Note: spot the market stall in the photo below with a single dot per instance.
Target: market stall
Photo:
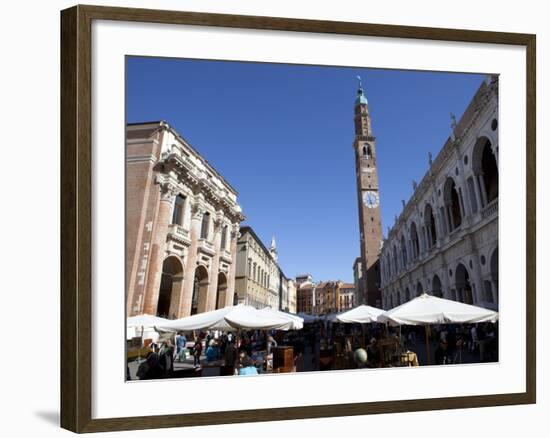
(428, 309)
(239, 318)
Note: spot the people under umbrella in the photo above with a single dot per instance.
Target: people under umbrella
(318, 346)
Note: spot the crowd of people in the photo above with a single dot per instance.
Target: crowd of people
(251, 352)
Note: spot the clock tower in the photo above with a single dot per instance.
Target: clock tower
(368, 197)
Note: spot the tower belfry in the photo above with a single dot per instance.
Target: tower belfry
(368, 197)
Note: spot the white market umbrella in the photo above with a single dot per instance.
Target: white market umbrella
(232, 317)
(213, 320)
(297, 321)
(145, 320)
(142, 323)
(427, 309)
(362, 314)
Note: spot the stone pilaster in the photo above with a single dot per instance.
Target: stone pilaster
(158, 246)
(197, 210)
(215, 266)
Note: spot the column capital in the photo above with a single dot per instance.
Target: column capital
(168, 191)
(197, 210)
(235, 231)
(218, 222)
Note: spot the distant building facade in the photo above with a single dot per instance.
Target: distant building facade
(292, 297)
(260, 282)
(324, 297)
(445, 241)
(304, 294)
(327, 296)
(346, 299)
(182, 222)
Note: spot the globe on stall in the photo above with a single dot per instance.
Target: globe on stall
(360, 356)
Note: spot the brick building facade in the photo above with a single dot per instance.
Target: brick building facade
(182, 223)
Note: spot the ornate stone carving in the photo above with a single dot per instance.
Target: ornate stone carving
(197, 210)
(168, 191)
(235, 231)
(218, 221)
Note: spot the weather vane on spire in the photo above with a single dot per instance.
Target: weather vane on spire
(359, 79)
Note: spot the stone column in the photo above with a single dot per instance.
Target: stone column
(158, 247)
(475, 279)
(482, 189)
(197, 210)
(233, 267)
(477, 191)
(449, 219)
(464, 207)
(215, 266)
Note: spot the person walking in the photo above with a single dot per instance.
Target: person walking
(181, 341)
(167, 357)
(230, 358)
(197, 352)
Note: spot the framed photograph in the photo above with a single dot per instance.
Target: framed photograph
(269, 218)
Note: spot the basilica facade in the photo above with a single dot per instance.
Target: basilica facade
(182, 225)
(445, 241)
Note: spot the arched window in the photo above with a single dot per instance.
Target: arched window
(419, 289)
(452, 204)
(403, 251)
(429, 221)
(395, 266)
(205, 226)
(463, 286)
(485, 167)
(170, 285)
(490, 172)
(415, 247)
(200, 290)
(436, 287)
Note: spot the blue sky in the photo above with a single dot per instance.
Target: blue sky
(282, 136)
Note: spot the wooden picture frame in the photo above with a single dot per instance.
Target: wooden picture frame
(76, 217)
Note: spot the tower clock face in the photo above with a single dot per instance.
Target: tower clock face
(370, 199)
